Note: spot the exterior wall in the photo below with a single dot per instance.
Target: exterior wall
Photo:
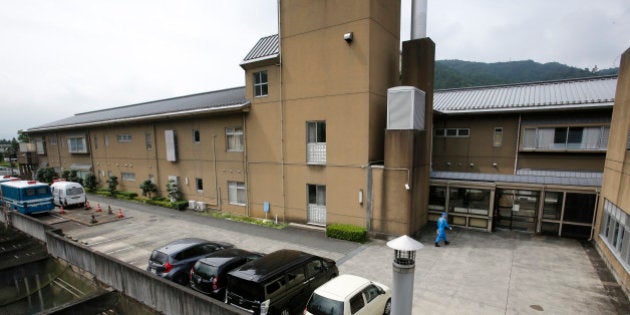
(457, 154)
(616, 181)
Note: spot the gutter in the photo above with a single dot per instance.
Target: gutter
(526, 109)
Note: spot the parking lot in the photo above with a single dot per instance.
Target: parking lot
(479, 273)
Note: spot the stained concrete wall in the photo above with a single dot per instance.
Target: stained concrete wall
(153, 291)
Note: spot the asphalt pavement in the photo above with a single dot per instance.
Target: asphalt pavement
(478, 273)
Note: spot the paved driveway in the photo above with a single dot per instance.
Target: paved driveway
(479, 273)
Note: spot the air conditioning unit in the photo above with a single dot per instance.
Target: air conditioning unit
(191, 204)
(405, 108)
(201, 206)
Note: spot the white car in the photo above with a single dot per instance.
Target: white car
(348, 294)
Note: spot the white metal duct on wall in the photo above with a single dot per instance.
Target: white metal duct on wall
(171, 145)
(405, 108)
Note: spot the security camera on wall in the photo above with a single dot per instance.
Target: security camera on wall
(348, 37)
(407, 187)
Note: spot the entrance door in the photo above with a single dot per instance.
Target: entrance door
(316, 208)
(516, 209)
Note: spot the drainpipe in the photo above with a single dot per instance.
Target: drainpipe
(518, 140)
(214, 162)
(418, 19)
(245, 173)
(282, 146)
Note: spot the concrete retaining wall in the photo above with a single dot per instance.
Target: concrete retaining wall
(155, 292)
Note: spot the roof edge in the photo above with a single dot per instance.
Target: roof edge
(528, 83)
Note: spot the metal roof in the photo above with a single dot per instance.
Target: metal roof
(265, 48)
(519, 179)
(216, 101)
(549, 95)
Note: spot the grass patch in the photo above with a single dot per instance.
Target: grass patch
(244, 219)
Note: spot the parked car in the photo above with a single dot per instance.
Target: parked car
(348, 294)
(68, 194)
(278, 283)
(174, 260)
(208, 275)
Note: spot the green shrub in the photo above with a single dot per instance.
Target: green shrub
(128, 195)
(179, 204)
(347, 232)
(161, 203)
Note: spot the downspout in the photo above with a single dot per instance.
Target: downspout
(216, 179)
(282, 146)
(58, 152)
(246, 174)
(518, 143)
(155, 155)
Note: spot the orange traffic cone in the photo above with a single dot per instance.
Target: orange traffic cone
(98, 208)
(120, 214)
(61, 210)
(87, 205)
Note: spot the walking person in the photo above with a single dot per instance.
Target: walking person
(442, 225)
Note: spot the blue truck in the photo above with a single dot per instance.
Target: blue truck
(27, 196)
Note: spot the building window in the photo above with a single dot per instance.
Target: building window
(236, 193)
(316, 142)
(261, 84)
(316, 207)
(95, 143)
(106, 140)
(199, 183)
(123, 138)
(128, 177)
(452, 132)
(148, 142)
(53, 140)
(196, 136)
(615, 231)
(592, 138)
(77, 145)
(234, 139)
(497, 137)
(41, 146)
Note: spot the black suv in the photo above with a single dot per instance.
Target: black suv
(174, 260)
(208, 275)
(278, 283)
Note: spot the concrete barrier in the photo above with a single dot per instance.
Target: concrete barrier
(153, 291)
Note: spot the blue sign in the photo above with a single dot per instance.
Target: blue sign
(266, 206)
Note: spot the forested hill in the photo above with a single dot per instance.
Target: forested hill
(458, 73)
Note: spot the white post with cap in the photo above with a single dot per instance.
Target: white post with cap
(404, 266)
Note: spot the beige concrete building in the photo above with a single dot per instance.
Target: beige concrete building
(613, 224)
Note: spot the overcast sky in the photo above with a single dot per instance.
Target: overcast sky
(62, 57)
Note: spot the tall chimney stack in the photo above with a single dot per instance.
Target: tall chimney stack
(418, 19)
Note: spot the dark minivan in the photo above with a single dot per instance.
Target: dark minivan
(174, 260)
(278, 283)
(208, 275)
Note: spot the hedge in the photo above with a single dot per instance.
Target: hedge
(347, 232)
(180, 204)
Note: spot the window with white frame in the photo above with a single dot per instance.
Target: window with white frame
(123, 137)
(615, 230)
(128, 177)
(41, 146)
(317, 195)
(234, 139)
(76, 144)
(316, 142)
(148, 141)
(497, 137)
(452, 132)
(236, 193)
(261, 85)
(587, 138)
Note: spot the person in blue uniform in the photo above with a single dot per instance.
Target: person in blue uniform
(442, 225)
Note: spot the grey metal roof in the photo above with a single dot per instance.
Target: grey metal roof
(519, 179)
(265, 48)
(216, 101)
(573, 93)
